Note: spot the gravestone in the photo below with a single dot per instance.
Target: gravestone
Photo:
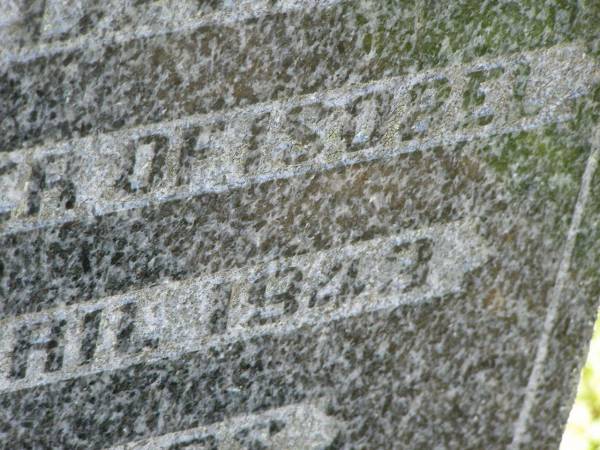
(232, 224)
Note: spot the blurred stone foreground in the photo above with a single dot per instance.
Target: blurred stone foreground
(286, 224)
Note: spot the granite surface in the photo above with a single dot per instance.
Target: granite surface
(291, 224)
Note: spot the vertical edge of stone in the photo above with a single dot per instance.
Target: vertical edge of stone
(568, 327)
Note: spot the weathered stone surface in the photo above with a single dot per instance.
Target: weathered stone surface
(296, 224)
(59, 93)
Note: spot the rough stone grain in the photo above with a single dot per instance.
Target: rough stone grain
(287, 224)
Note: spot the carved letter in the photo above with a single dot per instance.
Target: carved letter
(28, 340)
(474, 96)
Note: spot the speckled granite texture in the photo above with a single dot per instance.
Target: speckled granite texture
(286, 224)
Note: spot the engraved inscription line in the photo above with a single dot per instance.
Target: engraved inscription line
(274, 297)
(95, 176)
